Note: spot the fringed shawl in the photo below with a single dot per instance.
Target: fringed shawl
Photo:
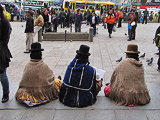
(79, 84)
(128, 84)
(38, 80)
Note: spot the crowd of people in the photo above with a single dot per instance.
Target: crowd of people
(82, 82)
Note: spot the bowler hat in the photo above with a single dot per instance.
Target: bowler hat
(132, 48)
(36, 47)
(84, 50)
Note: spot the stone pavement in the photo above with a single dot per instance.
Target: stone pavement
(104, 52)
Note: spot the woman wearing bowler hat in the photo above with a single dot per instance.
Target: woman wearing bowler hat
(79, 88)
(128, 85)
(38, 84)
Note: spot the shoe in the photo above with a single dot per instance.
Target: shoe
(59, 77)
(158, 69)
(5, 98)
(156, 53)
(109, 35)
(26, 52)
(129, 40)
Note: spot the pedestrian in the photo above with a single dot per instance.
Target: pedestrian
(157, 42)
(46, 19)
(68, 20)
(80, 86)
(133, 24)
(12, 14)
(110, 20)
(38, 84)
(78, 19)
(39, 21)
(29, 31)
(18, 14)
(62, 16)
(127, 82)
(94, 22)
(116, 16)
(145, 16)
(5, 55)
(55, 22)
(120, 18)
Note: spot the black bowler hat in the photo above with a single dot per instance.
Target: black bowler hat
(84, 50)
(36, 47)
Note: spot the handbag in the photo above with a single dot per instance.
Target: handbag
(114, 29)
(133, 23)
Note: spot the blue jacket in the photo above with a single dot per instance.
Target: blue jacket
(79, 84)
(96, 20)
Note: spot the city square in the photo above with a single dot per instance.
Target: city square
(104, 53)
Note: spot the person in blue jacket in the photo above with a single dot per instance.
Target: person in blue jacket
(79, 88)
(94, 22)
(55, 22)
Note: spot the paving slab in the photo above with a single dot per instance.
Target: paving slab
(70, 115)
(38, 115)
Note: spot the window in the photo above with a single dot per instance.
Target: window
(90, 6)
(80, 5)
(66, 4)
(98, 6)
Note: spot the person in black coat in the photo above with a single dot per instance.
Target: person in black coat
(5, 55)
(29, 31)
(78, 19)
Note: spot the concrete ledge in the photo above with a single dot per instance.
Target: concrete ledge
(65, 36)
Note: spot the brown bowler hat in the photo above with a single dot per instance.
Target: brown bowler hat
(132, 48)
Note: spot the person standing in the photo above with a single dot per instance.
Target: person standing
(39, 21)
(94, 22)
(46, 19)
(120, 18)
(54, 22)
(62, 16)
(133, 24)
(29, 31)
(145, 16)
(110, 19)
(88, 16)
(116, 16)
(5, 54)
(18, 14)
(78, 20)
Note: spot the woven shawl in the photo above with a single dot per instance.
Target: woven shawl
(38, 80)
(128, 84)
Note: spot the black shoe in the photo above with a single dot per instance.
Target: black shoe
(26, 52)
(158, 69)
(59, 77)
(109, 35)
(5, 98)
(156, 53)
(129, 40)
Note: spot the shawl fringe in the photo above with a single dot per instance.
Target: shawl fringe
(39, 93)
(124, 97)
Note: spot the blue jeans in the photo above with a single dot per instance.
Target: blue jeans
(4, 82)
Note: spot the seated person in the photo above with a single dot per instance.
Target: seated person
(38, 84)
(128, 85)
(79, 88)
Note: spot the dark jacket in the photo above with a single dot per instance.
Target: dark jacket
(5, 55)
(79, 84)
(96, 20)
(55, 20)
(29, 25)
(45, 17)
(62, 15)
(78, 18)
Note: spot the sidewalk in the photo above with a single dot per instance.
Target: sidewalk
(104, 52)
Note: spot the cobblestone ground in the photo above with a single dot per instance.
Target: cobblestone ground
(104, 53)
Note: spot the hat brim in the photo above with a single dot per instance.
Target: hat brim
(86, 54)
(132, 52)
(36, 50)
